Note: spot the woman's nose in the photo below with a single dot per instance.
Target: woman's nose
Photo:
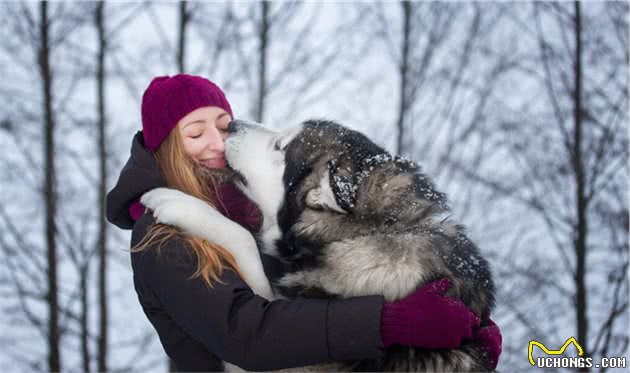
(217, 141)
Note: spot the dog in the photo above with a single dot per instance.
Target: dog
(351, 220)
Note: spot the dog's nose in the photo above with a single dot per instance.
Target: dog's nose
(243, 126)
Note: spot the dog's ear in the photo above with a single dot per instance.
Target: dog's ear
(336, 191)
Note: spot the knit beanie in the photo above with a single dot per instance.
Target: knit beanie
(169, 99)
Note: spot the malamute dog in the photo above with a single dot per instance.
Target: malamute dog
(352, 220)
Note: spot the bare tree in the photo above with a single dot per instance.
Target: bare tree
(184, 18)
(447, 69)
(404, 74)
(415, 59)
(457, 114)
(263, 34)
(566, 163)
(309, 59)
(577, 161)
(40, 54)
(50, 191)
(102, 188)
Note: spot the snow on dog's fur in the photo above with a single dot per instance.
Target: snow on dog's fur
(353, 219)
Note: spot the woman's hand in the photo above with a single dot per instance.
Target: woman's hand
(428, 319)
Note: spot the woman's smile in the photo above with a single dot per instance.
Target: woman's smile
(217, 162)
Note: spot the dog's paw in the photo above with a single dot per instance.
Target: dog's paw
(198, 218)
(262, 287)
(177, 208)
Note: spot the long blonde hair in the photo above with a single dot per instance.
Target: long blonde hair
(181, 172)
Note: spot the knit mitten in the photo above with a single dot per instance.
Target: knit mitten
(489, 339)
(428, 319)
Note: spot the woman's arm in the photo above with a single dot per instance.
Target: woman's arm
(251, 332)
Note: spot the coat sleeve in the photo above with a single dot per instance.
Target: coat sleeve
(251, 332)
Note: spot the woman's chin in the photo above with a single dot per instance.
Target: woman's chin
(213, 174)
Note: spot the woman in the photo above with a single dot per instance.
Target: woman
(190, 289)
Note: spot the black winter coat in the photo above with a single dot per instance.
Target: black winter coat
(199, 326)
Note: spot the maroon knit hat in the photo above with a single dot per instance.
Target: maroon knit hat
(169, 99)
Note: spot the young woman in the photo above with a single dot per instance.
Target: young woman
(190, 289)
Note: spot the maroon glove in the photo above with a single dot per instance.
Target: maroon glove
(428, 319)
(488, 339)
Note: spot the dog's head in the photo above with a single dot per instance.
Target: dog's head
(271, 164)
(257, 155)
(322, 167)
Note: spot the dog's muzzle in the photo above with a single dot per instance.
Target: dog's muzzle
(238, 125)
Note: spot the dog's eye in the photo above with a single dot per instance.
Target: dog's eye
(276, 145)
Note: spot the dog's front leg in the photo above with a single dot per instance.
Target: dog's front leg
(196, 217)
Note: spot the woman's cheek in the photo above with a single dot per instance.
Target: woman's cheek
(193, 149)
(198, 152)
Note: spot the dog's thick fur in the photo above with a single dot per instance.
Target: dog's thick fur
(352, 220)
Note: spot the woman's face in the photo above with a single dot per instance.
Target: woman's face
(203, 132)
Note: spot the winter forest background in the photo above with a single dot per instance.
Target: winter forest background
(518, 110)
